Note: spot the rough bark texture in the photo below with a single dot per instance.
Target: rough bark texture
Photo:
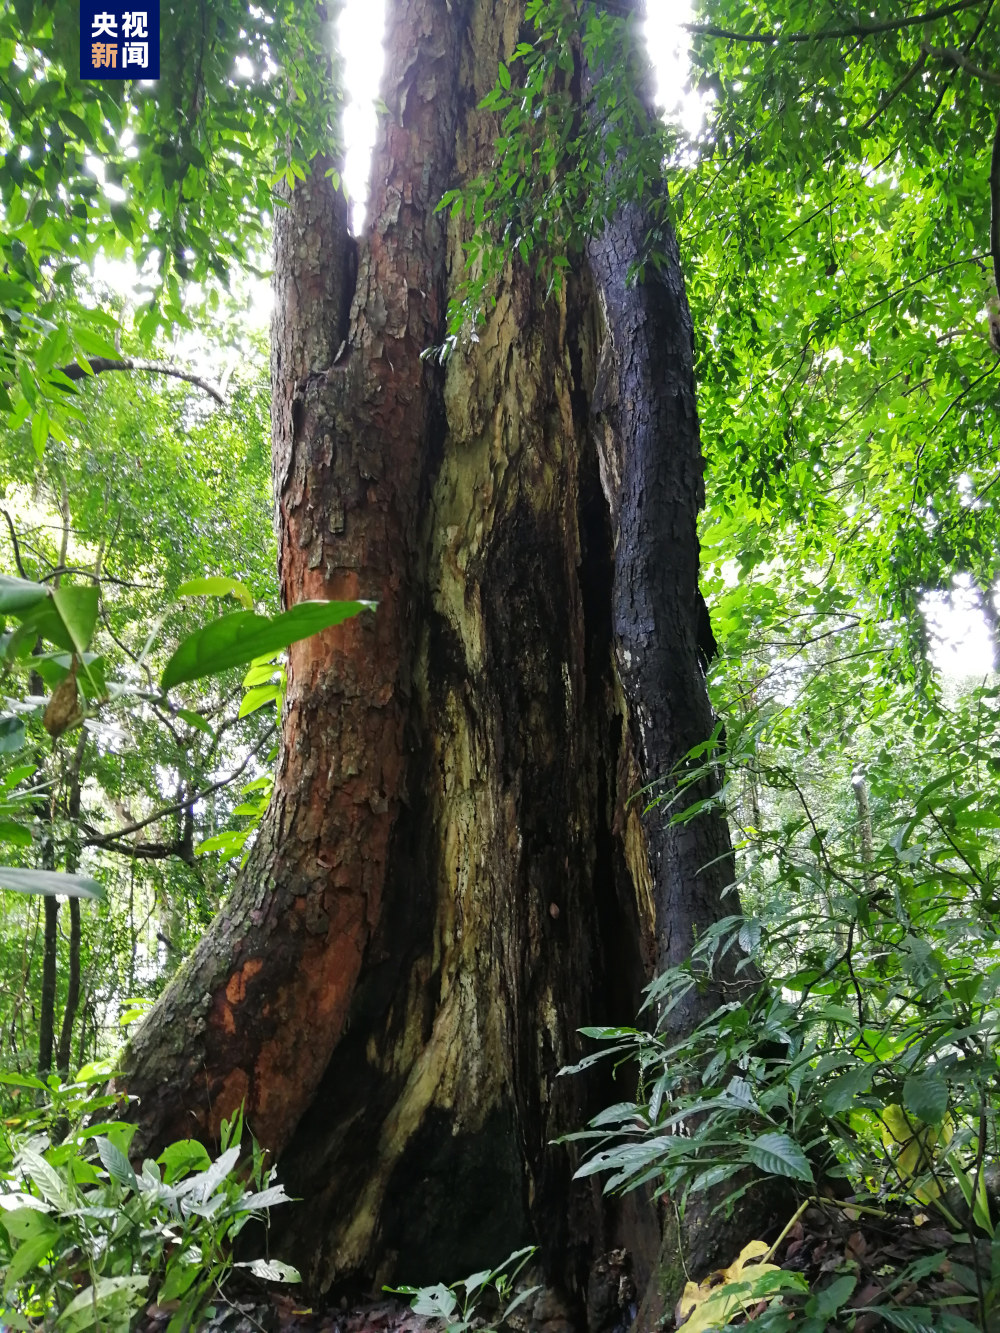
(645, 407)
(451, 881)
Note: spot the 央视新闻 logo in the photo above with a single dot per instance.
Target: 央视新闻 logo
(119, 42)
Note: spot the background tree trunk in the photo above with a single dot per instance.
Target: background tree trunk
(450, 881)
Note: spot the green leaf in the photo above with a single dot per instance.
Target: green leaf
(778, 1155)
(268, 1198)
(29, 1254)
(841, 1092)
(17, 595)
(258, 697)
(77, 607)
(39, 431)
(28, 1222)
(51, 882)
(116, 1163)
(925, 1095)
(21, 1080)
(11, 831)
(217, 586)
(12, 734)
(94, 1305)
(195, 720)
(916, 1319)
(828, 1301)
(44, 1177)
(239, 638)
(181, 1157)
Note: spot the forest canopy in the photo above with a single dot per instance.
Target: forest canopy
(567, 643)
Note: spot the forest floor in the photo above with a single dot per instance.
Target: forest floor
(880, 1264)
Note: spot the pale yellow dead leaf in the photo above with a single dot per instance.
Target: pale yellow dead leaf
(713, 1302)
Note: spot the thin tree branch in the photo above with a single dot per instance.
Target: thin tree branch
(99, 364)
(103, 839)
(891, 96)
(951, 56)
(17, 548)
(830, 34)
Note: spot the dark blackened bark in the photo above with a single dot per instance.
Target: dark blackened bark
(47, 1006)
(646, 411)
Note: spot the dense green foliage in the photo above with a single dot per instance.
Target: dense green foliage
(86, 1241)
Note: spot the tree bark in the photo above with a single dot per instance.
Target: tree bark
(451, 879)
(75, 925)
(47, 1005)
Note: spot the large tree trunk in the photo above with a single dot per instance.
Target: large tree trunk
(450, 881)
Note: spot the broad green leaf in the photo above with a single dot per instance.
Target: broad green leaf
(77, 608)
(437, 1302)
(268, 1198)
(258, 697)
(17, 834)
(21, 1080)
(205, 1184)
(827, 1301)
(239, 638)
(18, 595)
(229, 844)
(779, 1155)
(29, 1220)
(925, 1096)
(52, 882)
(28, 1255)
(217, 586)
(916, 1319)
(181, 1157)
(44, 1177)
(841, 1092)
(12, 734)
(94, 1305)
